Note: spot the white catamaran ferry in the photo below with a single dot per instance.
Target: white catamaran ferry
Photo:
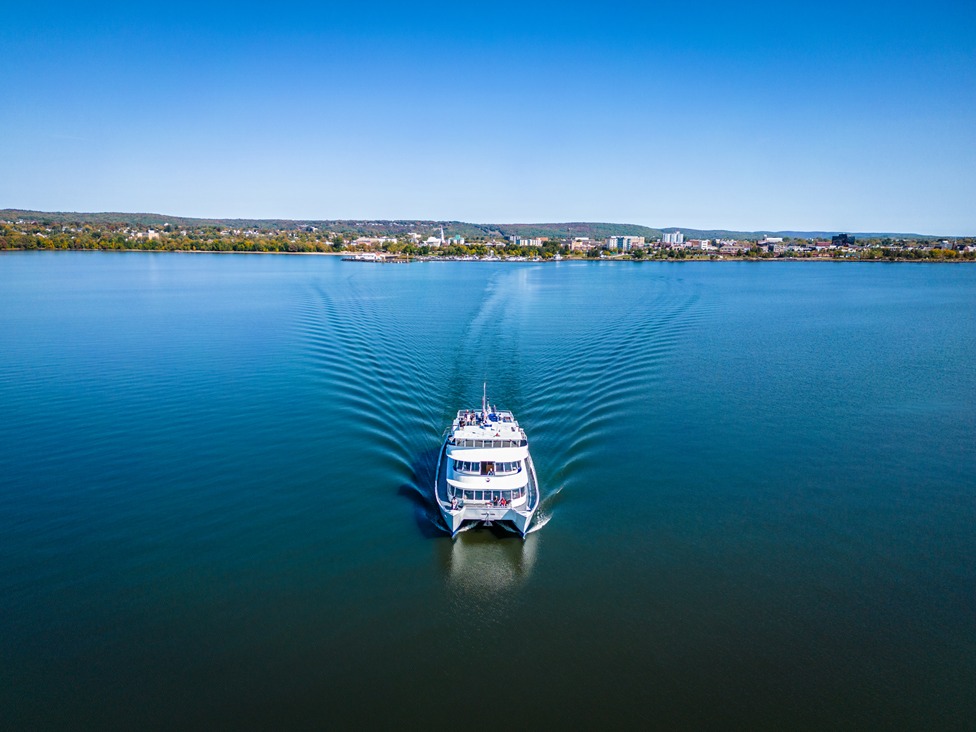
(485, 473)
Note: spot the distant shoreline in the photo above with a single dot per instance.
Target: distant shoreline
(452, 241)
(425, 259)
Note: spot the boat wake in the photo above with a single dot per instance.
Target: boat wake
(424, 508)
(550, 498)
(354, 333)
(510, 529)
(416, 494)
(538, 523)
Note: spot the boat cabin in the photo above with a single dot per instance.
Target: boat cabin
(493, 497)
(486, 467)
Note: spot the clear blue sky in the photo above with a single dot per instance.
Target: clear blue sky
(755, 116)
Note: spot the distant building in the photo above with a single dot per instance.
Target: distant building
(433, 241)
(519, 241)
(371, 241)
(731, 246)
(583, 244)
(771, 240)
(842, 240)
(674, 238)
(624, 243)
(700, 244)
(456, 239)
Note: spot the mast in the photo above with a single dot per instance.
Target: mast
(484, 400)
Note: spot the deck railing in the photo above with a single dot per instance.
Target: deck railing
(487, 443)
(494, 473)
(478, 503)
(478, 508)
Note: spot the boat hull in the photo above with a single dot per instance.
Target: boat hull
(519, 518)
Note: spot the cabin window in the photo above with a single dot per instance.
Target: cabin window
(469, 495)
(487, 468)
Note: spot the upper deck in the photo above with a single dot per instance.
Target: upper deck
(495, 429)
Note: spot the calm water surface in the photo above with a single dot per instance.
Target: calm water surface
(214, 494)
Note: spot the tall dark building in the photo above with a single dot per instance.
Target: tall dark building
(842, 240)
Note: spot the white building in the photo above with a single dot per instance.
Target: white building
(674, 238)
(624, 243)
(433, 241)
(523, 242)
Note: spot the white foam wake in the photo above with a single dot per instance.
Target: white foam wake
(549, 497)
(539, 522)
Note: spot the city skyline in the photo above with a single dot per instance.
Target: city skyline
(749, 118)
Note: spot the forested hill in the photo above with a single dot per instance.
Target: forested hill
(364, 227)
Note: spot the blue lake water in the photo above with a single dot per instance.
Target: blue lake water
(759, 487)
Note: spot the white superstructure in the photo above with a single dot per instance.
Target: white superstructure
(485, 473)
